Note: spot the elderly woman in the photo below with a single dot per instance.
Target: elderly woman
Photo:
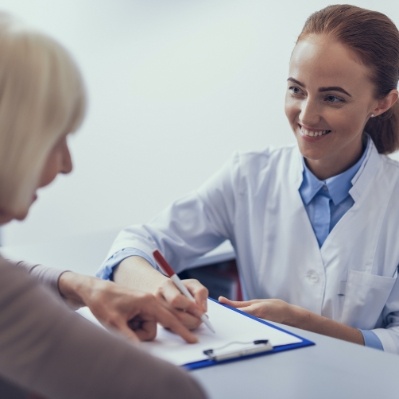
(46, 348)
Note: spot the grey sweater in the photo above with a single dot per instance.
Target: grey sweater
(48, 349)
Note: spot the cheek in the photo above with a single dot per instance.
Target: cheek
(49, 172)
(290, 110)
(344, 121)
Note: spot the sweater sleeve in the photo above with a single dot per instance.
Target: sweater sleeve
(48, 349)
(46, 275)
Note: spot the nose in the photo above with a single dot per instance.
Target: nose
(309, 113)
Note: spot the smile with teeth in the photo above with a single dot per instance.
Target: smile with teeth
(313, 133)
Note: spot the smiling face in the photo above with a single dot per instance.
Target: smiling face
(329, 99)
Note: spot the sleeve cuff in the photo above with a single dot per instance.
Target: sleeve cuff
(371, 340)
(106, 271)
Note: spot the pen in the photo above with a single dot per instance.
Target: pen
(260, 345)
(178, 283)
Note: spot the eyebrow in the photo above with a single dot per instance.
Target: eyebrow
(321, 89)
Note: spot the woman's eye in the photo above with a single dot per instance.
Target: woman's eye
(334, 99)
(294, 90)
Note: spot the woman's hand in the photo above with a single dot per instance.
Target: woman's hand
(188, 312)
(136, 272)
(291, 315)
(271, 309)
(134, 313)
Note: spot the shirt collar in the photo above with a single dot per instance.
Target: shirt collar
(338, 186)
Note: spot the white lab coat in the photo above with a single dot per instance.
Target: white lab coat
(255, 203)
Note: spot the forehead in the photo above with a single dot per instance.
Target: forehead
(322, 60)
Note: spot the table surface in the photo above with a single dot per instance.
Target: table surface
(330, 369)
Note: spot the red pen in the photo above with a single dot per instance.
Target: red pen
(164, 265)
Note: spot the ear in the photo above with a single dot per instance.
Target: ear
(387, 102)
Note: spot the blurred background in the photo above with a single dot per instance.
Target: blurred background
(175, 87)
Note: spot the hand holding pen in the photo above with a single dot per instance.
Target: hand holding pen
(164, 265)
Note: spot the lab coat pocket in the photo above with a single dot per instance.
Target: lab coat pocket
(365, 297)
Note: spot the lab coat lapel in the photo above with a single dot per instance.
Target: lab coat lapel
(368, 200)
(310, 268)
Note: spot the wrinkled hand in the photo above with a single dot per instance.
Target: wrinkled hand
(271, 309)
(134, 313)
(188, 312)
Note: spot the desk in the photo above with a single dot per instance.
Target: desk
(330, 369)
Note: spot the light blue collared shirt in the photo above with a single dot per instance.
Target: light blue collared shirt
(336, 190)
(326, 201)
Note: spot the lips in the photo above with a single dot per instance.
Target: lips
(313, 132)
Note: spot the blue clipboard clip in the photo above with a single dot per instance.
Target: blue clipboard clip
(238, 349)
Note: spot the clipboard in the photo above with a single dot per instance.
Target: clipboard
(238, 336)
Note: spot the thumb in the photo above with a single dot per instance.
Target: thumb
(229, 302)
(223, 299)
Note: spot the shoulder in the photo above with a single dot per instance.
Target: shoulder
(389, 173)
(376, 161)
(262, 168)
(265, 159)
(388, 168)
(391, 161)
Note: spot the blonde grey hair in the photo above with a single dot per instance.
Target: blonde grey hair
(42, 97)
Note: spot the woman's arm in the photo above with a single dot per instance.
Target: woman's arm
(133, 312)
(291, 315)
(48, 349)
(190, 227)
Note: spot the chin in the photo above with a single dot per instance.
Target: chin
(4, 218)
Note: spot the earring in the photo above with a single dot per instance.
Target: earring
(372, 116)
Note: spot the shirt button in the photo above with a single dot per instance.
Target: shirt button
(325, 188)
(312, 276)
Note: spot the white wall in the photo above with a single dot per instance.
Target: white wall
(175, 87)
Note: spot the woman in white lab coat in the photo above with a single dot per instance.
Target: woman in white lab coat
(314, 226)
